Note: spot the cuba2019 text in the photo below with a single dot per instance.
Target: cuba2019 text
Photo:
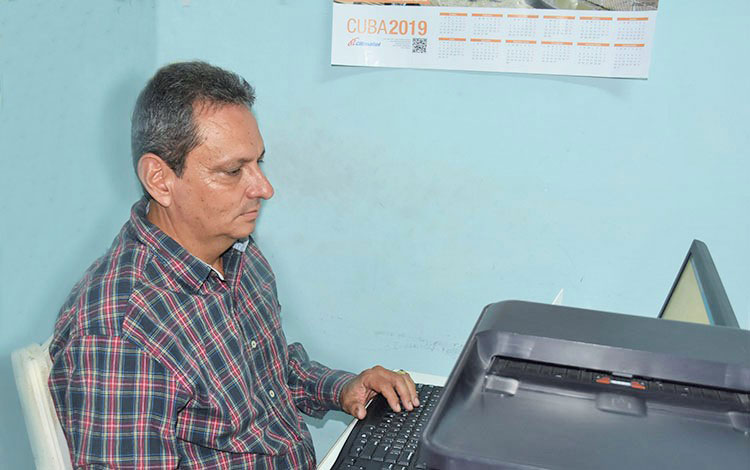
(390, 27)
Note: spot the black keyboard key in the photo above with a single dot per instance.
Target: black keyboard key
(381, 452)
(392, 456)
(369, 449)
(405, 457)
(367, 464)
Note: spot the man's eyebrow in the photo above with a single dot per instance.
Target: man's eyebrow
(260, 157)
(248, 160)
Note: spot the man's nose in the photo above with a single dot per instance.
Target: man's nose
(259, 186)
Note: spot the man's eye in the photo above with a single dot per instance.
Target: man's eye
(234, 172)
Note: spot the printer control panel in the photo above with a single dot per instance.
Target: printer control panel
(651, 389)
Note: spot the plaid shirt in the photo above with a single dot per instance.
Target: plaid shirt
(160, 363)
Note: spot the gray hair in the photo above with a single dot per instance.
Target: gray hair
(163, 121)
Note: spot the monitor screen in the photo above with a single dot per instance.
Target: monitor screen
(697, 294)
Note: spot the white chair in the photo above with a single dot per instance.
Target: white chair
(31, 367)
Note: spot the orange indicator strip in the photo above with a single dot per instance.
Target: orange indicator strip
(453, 39)
(630, 45)
(445, 13)
(519, 41)
(637, 385)
(596, 18)
(596, 44)
(603, 380)
(632, 19)
(557, 43)
(558, 17)
(533, 17)
(487, 15)
(485, 40)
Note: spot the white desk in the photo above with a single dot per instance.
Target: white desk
(333, 453)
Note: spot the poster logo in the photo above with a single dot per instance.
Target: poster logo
(357, 43)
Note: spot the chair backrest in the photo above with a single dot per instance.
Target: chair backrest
(31, 367)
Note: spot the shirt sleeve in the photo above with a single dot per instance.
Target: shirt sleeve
(315, 388)
(117, 405)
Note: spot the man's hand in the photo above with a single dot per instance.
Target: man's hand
(397, 388)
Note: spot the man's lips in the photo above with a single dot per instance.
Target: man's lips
(253, 213)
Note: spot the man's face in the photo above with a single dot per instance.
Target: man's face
(218, 196)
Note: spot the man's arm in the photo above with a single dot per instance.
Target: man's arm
(116, 404)
(316, 388)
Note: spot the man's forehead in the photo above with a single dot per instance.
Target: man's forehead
(227, 133)
(228, 120)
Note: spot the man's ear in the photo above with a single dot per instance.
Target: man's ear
(156, 177)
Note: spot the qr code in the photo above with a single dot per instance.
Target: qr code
(419, 45)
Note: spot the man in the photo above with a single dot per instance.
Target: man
(169, 352)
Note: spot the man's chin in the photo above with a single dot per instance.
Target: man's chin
(245, 231)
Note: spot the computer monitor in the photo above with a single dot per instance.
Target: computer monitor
(697, 294)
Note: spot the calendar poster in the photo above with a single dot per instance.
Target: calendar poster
(600, 38)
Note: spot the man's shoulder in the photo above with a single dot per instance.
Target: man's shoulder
(97, 303)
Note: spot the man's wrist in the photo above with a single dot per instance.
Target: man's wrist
(341, 380)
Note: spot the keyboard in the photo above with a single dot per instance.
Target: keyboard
(386, 440)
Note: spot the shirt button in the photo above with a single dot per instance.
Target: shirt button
(272, 394)
(253, 344)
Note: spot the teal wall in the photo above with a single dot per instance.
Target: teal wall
(405, 200)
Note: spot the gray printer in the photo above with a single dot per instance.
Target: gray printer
(548, 387)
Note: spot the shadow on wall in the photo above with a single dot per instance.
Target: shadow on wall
(114, 137)
(14, 443)
(338, 416)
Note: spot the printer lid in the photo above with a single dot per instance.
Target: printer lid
(548, 387)
(713, 356)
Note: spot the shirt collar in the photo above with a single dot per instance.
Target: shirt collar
(189, 270)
